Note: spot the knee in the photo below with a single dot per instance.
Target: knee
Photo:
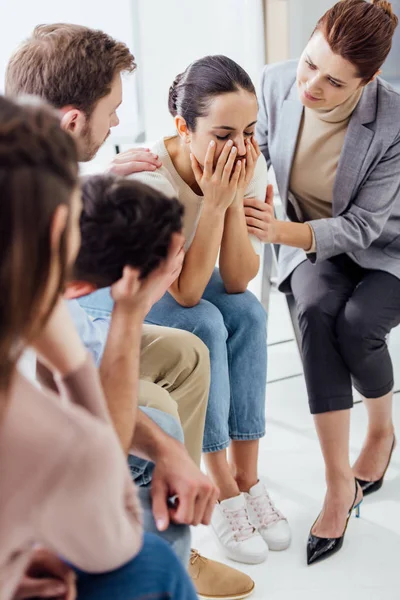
(195, 351)
(251, 312)
(354, 326)
(314, 309)
(209, 324)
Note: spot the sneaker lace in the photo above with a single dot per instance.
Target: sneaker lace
(240, 524)
(196, 556)
(265, 510)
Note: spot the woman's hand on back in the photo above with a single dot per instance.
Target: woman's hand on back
(219, 185)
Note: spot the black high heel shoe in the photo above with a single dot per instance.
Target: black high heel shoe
(369, 487)
(321, 548)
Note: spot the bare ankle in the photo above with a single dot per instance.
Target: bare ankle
(380, 432)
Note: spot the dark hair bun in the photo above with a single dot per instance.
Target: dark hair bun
(173, 95)
(387, 8)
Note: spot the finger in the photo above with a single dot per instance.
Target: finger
(129, 168)
(259, 233)
(223, 158)
(198, 173)
(269, 197)
(136, 155)
(243, 173)
(159, 495)
(71, 583)
(201, 505)
(185, 511)
(250, 153)
(230, 166)
(45, 587)
(258, 214)
(209, 160)
(236, 173)
(256, 204)
(210, 506)
(256, 223)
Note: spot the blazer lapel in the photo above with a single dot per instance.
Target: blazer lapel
(356, 145)
(287, 132)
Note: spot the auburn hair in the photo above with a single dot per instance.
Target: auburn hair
(361, 32)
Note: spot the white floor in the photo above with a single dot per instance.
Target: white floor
(366, 568)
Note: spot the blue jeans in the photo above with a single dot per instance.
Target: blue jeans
(234, 328)
(154, 573)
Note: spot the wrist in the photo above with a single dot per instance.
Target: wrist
(161, 446)
(213, 210)
(131, 314)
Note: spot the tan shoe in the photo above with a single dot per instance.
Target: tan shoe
(216, 581)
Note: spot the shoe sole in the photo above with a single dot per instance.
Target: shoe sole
(278, 547)
(232, 556)
(235, 597)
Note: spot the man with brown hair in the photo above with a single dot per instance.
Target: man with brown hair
(78, 70)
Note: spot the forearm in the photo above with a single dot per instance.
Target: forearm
(149, 440)
(298, 235)
(119, 372)
(238, 262)
(200, 259)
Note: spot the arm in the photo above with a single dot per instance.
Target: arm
(119, 369)
(356, 229)
(239, 261)
(219, 187)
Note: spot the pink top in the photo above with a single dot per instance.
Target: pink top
(64, 480)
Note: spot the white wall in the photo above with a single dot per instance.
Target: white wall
(19, 17)
(173, 33)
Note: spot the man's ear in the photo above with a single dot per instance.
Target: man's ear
(77, 289)
(73, 121)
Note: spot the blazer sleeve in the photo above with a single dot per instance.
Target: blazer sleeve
(364, 220)
(262, 119)
(91, 516)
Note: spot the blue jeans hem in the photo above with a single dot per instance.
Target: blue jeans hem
(239, 437)
(216, 447)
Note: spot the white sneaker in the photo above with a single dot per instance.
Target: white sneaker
(268, 520)
(237, 537)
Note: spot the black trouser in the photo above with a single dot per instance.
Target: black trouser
(345, 313)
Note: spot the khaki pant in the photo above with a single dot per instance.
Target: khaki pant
(175, 378)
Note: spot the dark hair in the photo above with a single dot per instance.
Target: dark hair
(67, 64)
(192, 91)
(361, 33)
(123, 222)
(38, 172)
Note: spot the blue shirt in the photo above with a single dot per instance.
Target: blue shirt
(92, 331)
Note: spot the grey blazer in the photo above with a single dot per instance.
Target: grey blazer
(366, 195)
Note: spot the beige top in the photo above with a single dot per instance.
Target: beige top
(319, 145)
(167, 180)
(64, 480)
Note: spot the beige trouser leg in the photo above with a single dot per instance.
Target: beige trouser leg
(178, 363)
